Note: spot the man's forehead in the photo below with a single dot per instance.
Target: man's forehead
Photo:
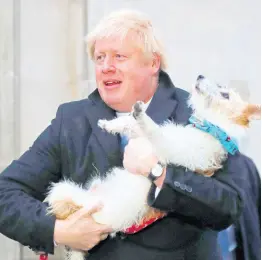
(116, 43)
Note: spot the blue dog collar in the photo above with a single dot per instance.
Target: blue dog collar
(227, 142)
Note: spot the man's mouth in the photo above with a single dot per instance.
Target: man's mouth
(112, 83)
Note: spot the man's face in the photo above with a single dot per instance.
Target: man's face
(123, 74)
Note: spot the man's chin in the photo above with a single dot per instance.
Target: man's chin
(118, 104)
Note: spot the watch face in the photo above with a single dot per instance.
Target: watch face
(157, 170)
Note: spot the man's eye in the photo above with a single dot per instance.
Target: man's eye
(119, 56)
(99, 57)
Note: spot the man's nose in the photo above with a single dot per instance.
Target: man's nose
(108, 66)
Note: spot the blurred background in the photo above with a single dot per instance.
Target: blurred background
(43, 62)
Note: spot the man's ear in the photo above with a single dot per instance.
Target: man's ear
(156, 62)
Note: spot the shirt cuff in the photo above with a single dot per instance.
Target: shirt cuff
(157, 191)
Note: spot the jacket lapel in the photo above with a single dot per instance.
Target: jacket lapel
(163, 103)
(108, 142)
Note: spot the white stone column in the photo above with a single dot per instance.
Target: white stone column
(9, 101)
(7, 83)
(41, 66)
(52, 44)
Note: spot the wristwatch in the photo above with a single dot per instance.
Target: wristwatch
(156, 171)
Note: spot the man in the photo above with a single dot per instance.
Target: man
(129, 65)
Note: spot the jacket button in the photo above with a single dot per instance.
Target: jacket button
(177, 184)
(189, 189)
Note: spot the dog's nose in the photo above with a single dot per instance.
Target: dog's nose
(200, 77)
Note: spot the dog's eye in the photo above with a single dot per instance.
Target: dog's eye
(224, 95)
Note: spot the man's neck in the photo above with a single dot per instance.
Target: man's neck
(128, 113)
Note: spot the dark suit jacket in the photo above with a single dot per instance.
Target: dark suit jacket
(74, 147)
(248, 226)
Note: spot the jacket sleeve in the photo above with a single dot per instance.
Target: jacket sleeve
(22, 189)
(214, 202)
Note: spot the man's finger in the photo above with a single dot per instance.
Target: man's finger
(105, 229)
(95, 209)
(103, 236)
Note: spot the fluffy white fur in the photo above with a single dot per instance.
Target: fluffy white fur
(110, 192)
(172, 142)
(124, 194)
(70, 254)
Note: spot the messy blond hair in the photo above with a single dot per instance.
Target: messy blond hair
(121, 23)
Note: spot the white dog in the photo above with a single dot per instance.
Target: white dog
(219, 114)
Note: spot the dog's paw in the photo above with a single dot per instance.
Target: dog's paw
(138, 109)
(102, 123)
(107, 125)
(111, 126)
(119, 125)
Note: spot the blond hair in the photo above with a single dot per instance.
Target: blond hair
(122, 22)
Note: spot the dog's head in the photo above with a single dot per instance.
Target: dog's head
(217, 104)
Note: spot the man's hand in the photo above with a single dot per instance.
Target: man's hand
(139, 158)
(80, 231)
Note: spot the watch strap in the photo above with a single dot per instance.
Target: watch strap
(152, 177)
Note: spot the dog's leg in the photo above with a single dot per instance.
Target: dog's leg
(63, 209)
(64, 198)
(70, 254)
(125, 125)
(206, 173)
(150, 129)
(147, 125)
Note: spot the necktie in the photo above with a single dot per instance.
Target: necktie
(227, 243)
(123, 142)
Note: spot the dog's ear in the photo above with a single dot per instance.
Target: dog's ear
(253, 112)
